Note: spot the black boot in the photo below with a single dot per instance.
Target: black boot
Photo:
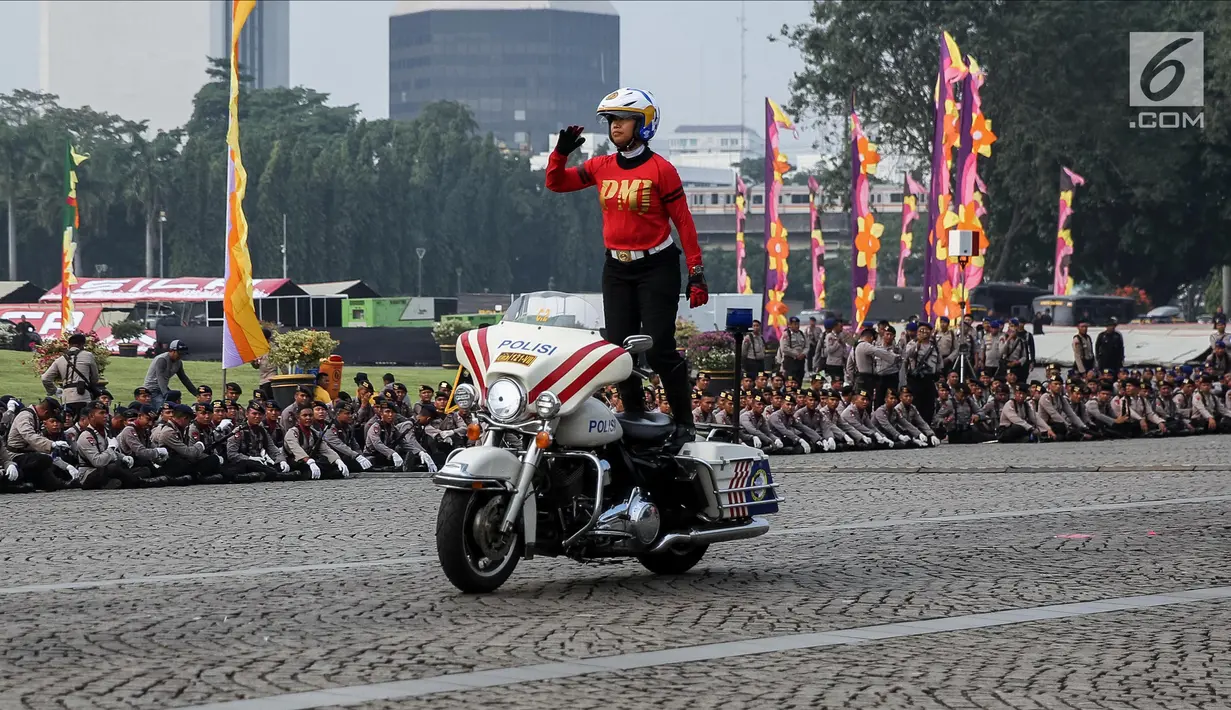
(154, 482)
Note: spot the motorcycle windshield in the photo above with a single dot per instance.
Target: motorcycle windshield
(556, 309)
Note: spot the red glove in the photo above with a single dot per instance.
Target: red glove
(698, 292)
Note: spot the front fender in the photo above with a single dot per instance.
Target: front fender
(479, 468)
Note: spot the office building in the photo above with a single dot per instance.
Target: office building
(718, 146)
(525, 69)
(264, 45)
(146, 59)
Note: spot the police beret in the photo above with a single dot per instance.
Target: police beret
(865, 393)
(1206, 379)
(944, 319)
(273, 404)
(306, 389)
(360, 378)
(427, 408)
(1132, 381)
(1057, 379)
(912, 326)
(847, 390)
(808, 393)
(256, 406)
(759, 398)
(140, 391)
(441, 395)
(200, 407)
(445, 385)
(829, 323)
(234, 387)
(727, 395)
(789, 399)
(1106, 387)
(181, 410)
(994, 324)
(204, 389)
(320, 404)
(218, 404)
(1021, 389)
(365, 384)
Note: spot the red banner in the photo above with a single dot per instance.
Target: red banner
(137, 290)
(45, 317)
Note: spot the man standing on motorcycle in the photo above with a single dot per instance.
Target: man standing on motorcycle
(641, 197)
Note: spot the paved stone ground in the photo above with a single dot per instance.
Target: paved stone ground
(390, 615)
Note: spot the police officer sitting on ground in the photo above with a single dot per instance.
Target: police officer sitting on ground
(102, 465)
(308, 454)
(185, 456)
(31, 452)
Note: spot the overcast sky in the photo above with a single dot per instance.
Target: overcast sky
(687, 53)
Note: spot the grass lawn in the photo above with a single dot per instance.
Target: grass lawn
(124, 374)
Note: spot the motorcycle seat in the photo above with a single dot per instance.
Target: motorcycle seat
(650, 426)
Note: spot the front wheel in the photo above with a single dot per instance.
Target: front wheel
(475, 556)
(673, 561)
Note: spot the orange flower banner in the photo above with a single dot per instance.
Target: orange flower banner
(242, 339)
(937, 291)
(777, 248)
(866, 232)
(1063, 282)
(910, 212)
(818, 246)
(976, 139)
(742, 283)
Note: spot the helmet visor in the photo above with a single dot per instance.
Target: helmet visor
(609, 116)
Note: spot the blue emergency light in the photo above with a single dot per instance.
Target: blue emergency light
(739, 319)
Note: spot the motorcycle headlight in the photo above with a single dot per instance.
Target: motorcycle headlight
(506, 400)
(465, 396)
(547, 405)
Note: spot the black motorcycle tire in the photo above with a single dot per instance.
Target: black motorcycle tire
(673, 562)
(455, 544)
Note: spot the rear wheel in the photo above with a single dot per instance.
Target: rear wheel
(475, 556)
(673, 561)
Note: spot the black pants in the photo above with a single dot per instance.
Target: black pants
(834, 372)
(38, 470)
(641, 297)
(129, 477)
(204, 470)
(74, 408)
(871, 383)
(794, 368)
(924, 390)
(248, 472)
(1013, 434)
(968, 435)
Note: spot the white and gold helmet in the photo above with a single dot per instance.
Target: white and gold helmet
(632, 103)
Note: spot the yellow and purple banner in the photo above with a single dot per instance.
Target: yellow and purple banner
(72, 221)
(818, 245)
(910, 212)
(242, 339)
(777, 248)
(976, 140)
(1063, 282)
(742, 283)
(937, 291)
(866, 231)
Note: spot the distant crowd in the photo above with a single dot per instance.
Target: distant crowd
(79, 436)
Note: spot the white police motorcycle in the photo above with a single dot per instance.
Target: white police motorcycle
(555, 473)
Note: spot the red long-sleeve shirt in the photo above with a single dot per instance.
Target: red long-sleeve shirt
(638, 197)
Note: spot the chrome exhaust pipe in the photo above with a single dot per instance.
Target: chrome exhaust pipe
(705, 536)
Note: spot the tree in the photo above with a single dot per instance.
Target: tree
(1056, 96)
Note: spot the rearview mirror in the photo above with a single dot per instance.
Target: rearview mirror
(638, 343)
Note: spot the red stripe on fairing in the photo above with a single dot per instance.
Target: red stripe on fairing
(481, 336)
(563, 369)
(478, 370)
(586, 377)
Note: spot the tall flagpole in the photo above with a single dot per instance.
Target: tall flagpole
(242, 339)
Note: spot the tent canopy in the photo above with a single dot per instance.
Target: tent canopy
(139, 290)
